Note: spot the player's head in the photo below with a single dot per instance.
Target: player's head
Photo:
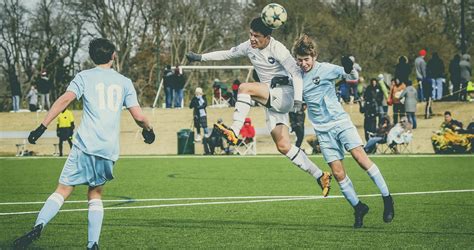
(259, 34)
(306, 52)
(101, 51)
(447, 116)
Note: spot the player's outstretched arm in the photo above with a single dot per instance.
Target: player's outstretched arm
(58, 106)
(147, 132)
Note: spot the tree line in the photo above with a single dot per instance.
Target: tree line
(53, 35)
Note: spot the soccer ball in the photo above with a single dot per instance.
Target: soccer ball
(274, 15)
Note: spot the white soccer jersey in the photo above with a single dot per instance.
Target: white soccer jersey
(273, 60)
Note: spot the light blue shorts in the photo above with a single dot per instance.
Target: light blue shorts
(342, 137)
(84, 169)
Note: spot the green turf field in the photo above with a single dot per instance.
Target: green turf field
(423, 220)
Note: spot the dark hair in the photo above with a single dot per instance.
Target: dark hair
(257, 25)
(447, 113)
(101, 50)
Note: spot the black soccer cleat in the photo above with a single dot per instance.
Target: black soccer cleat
(360, 211)
(388, 210)
(94, 247)
(28, 238)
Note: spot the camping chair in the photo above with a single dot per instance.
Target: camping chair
(247, 146)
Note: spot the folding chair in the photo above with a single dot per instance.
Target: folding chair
(218, 101)
(247, 148)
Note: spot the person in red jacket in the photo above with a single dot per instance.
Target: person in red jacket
(248, 131)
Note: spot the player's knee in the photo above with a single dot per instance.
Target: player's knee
(283, 147)
(244, 88)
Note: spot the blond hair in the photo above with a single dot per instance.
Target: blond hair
(305, 46)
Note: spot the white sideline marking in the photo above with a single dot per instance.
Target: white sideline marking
(294, 198)
(164, 199)
(244, 156)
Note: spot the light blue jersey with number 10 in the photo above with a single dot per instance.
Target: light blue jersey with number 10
(103, 92)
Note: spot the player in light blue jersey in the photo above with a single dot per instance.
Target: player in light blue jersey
(96, 143)
(333, 126)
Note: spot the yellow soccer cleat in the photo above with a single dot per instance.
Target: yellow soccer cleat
(227, 132)
(325, 183)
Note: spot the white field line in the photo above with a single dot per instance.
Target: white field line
(295, 198)
(246, 156)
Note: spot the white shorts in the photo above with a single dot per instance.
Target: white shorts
(281, 102)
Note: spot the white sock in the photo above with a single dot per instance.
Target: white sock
(50, 209)
(348, 191)
(378, 179)
(96, 215)
(242, 108)
(300, 159)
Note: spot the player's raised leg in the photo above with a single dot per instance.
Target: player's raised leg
(247, 91)
(298, 157)
(374, 173)
(95, 216)
(50, 209)
(347, 189)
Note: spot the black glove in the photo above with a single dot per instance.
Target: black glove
(193, 57)
(35, 134)
(149, 136)
(347, 63)
(297, 106)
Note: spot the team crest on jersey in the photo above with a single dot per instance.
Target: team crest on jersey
(316, 80)
(271, 60)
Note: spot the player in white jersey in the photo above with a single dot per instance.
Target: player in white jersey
(274, 65)
(96, 142)
(333, 126)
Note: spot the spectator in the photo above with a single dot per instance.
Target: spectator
(16, 93)
(420, 68)
(399, 134)
(297, 124)
(199, 104)
(470, 91)
(373, 97)
(168, 84)
(33, 98)
(379, 137)
(398, 108)
(235, 91)
(411, 100)
(215, 140)
(455, 76)
(435, 72)
(354, 83)
(178, 83)
(65, 129)
(466, 73)
(383, 109)
(44, 87)
(402, 69)
(450, 123)
(247, 132)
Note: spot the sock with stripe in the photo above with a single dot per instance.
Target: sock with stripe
(301, 160)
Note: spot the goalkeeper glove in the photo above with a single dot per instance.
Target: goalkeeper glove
(36, 134)
(148, 135)
(193, 57)
(347, 63)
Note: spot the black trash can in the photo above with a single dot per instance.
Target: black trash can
(185, 142)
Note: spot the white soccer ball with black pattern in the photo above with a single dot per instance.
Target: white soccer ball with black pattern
(274, 15)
